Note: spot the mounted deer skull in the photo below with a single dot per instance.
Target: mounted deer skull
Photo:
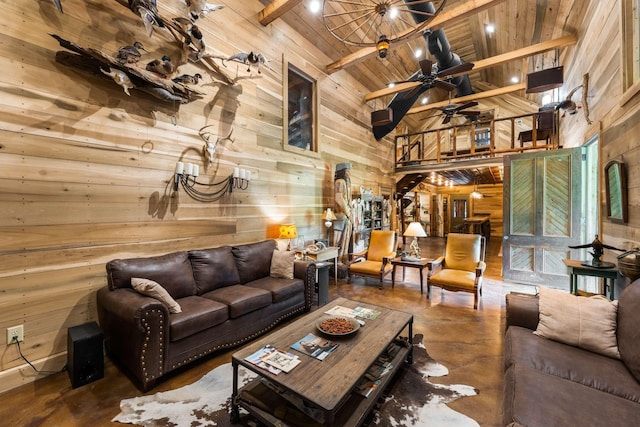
(209, 148)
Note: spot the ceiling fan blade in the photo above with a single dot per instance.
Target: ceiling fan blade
(426, 66)
(411, 93)
(462, 68)
(445, 85)
(469, 113)
(447, 119)
(466, 105)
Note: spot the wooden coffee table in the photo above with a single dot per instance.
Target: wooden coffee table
(325, 387)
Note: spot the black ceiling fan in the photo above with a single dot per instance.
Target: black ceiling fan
(428, 77)
(452, 109)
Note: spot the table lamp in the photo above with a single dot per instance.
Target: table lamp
(328, 216)
(288, 231)
(415, 230)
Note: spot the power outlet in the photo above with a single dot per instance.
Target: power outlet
(15, 332)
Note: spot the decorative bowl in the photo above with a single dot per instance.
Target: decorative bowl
(337, 325)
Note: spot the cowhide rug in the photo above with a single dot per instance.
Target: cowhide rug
(411, 400)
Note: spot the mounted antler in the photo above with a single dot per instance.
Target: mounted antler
(209, 148)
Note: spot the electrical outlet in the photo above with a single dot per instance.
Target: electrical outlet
(15, 332)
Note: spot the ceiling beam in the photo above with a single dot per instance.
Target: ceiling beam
(275, 10)
(463, 11)
(473, 97)
(482, 64)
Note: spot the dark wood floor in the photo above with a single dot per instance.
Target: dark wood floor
(468, 342)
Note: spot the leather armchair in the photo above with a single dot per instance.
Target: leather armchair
(375, 261)
(462, 266)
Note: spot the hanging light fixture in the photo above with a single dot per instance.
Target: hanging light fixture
(475, 194)
(378, 23)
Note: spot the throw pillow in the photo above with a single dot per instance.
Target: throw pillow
(282, 264)
(585, 322)
(155, 290)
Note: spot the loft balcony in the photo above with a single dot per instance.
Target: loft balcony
(476, 143)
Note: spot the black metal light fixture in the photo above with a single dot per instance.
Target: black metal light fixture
(187, 177)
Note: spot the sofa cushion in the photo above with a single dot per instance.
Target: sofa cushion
(571, 363)
(213, 268)
(172, 270)
(536, 399)
(240, 299)
(282, 264)
(628, 327)
(585, 322)
(155, 290)
(253, 260)
(281, 289)
(197, 315)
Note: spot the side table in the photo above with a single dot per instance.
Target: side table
(577, 269)
(421, 265)
(325, 255)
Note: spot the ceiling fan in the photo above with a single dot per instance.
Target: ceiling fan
(450, 110)
(429, 76)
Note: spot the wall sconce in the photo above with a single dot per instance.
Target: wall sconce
(415, 230)
(187, 174)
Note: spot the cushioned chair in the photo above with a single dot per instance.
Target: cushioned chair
(376, 260)
(461, 267)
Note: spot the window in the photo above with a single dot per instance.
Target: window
(301, 98)
(630, 33)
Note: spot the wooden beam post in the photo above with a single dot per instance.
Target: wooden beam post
(275, 10)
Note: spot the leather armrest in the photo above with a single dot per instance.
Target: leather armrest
(522, 310)
(136, 328)
(480, 268)
(306, 271)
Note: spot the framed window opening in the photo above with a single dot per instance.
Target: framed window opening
(301, 106)
(630, 33)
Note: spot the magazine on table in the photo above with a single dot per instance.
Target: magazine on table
(361, 312)
(267, 359)
(315, 346)
(282, 360)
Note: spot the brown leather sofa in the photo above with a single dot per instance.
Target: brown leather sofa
(548, 383)
(226, 295)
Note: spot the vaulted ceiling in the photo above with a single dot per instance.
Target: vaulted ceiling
(529, 35)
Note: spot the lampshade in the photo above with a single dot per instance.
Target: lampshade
(415, 230)
(328, 215)
(288, 231)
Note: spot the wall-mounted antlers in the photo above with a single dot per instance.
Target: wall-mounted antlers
(209, 148)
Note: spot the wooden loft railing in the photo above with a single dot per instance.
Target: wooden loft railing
(482, 139)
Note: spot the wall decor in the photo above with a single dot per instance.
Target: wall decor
(250, 59)
(209, 149)
(616, 191)
(97, 62)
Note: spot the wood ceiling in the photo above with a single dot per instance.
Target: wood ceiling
(522, 29)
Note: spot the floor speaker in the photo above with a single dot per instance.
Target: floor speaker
(85, 356)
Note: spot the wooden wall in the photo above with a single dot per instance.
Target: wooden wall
(86, 171)
(618, 125)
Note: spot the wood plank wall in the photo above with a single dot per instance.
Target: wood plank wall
(598, 54)
(86, 171)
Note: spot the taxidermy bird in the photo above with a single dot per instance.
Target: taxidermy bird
(130, 54)
(598, 249)
(251, 59)
(197, 40)
(188, 79)
(58, 5)
(199, 8)
(162, 66)
(148, 11)
(120, 77)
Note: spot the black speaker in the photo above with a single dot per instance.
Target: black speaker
(381, 117)
(85, 356)
(542, 81)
